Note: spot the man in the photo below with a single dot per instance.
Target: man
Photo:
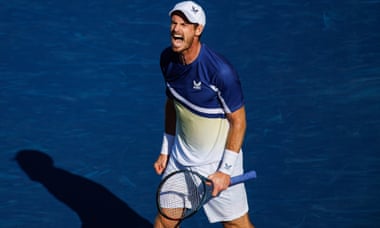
(204, 118)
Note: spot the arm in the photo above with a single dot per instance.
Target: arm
(235, 137)
(170, 117)
(236, 133)
(170, 126)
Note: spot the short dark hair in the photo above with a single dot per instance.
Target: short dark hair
(183, 16)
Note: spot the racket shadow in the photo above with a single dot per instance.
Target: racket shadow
(95, 205)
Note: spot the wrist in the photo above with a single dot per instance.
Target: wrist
(227, 164)
(167, 143)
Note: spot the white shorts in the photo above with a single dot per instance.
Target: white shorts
(231, 203)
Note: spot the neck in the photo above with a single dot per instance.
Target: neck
(190, 54)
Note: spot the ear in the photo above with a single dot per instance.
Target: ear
(199, 30)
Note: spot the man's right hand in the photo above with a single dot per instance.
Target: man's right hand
(160, 163)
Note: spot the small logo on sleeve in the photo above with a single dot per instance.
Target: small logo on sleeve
(227, 166)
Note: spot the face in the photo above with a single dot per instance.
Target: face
(183, 34)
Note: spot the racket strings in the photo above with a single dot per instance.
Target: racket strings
(181, 195)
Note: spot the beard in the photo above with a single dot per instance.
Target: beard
(182, 44)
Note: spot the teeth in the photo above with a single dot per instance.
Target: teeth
(177, 37)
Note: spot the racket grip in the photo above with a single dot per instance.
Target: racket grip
(244, 177)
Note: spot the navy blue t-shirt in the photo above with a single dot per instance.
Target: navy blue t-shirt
(209, 86)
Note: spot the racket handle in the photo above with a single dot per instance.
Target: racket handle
(244, 177)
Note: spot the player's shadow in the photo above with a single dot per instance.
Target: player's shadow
(95, 205)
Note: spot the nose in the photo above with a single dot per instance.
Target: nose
(175, 28)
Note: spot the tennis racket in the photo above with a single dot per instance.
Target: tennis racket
(182, 193)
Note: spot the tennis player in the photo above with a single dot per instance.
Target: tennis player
(204, 117)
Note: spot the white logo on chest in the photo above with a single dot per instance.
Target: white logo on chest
(197, 85)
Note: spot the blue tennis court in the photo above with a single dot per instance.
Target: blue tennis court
(82, 101)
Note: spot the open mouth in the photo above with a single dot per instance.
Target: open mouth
(177, 37)
(177, 41)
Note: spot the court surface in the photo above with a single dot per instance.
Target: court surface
(80, 86)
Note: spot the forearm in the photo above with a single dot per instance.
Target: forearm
(237, 130)
(170, 126)
(170, 117)
(234, 141)
(168, 137)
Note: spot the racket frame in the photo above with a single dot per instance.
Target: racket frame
(204, 182)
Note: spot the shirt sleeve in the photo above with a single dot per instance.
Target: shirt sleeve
(230, 90)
